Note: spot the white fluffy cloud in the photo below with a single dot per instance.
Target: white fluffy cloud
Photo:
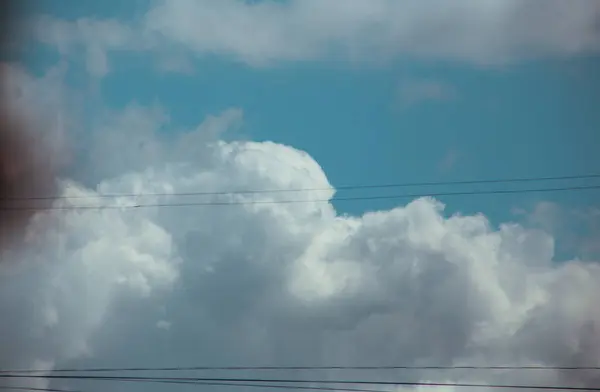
(281, 284)
(266, 32)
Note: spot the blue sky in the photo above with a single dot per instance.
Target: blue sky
(179, 96)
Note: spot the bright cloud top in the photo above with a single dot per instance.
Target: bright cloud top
(281, 283)
(266, 32)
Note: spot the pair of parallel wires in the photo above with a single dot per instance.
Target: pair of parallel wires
(90, 374)
(31, 202)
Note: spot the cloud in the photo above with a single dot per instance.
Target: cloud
(279, 283)
(95, 38)
(578, 228)
(449, 161)
(414, 92)
(268, 32)
(480, 31)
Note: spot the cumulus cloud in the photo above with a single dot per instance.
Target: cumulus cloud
(278, 283)
(266, 32)
(576, 227)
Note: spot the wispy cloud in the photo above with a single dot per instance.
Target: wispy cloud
(413, 92)
(268, 32)
(449, 160)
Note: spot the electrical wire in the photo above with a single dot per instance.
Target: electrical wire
(36, 389)
(346, 389)
(339, 188)
(236, 368)
(250, 202)
(292, 381)
(266, 386)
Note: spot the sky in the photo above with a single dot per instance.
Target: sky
(180, 96)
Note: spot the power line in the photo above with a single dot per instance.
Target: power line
(248, 202)
(292, 381)
(274, 386)
(346, 389)
(343, 187)
(236, 368)
(36, 389)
